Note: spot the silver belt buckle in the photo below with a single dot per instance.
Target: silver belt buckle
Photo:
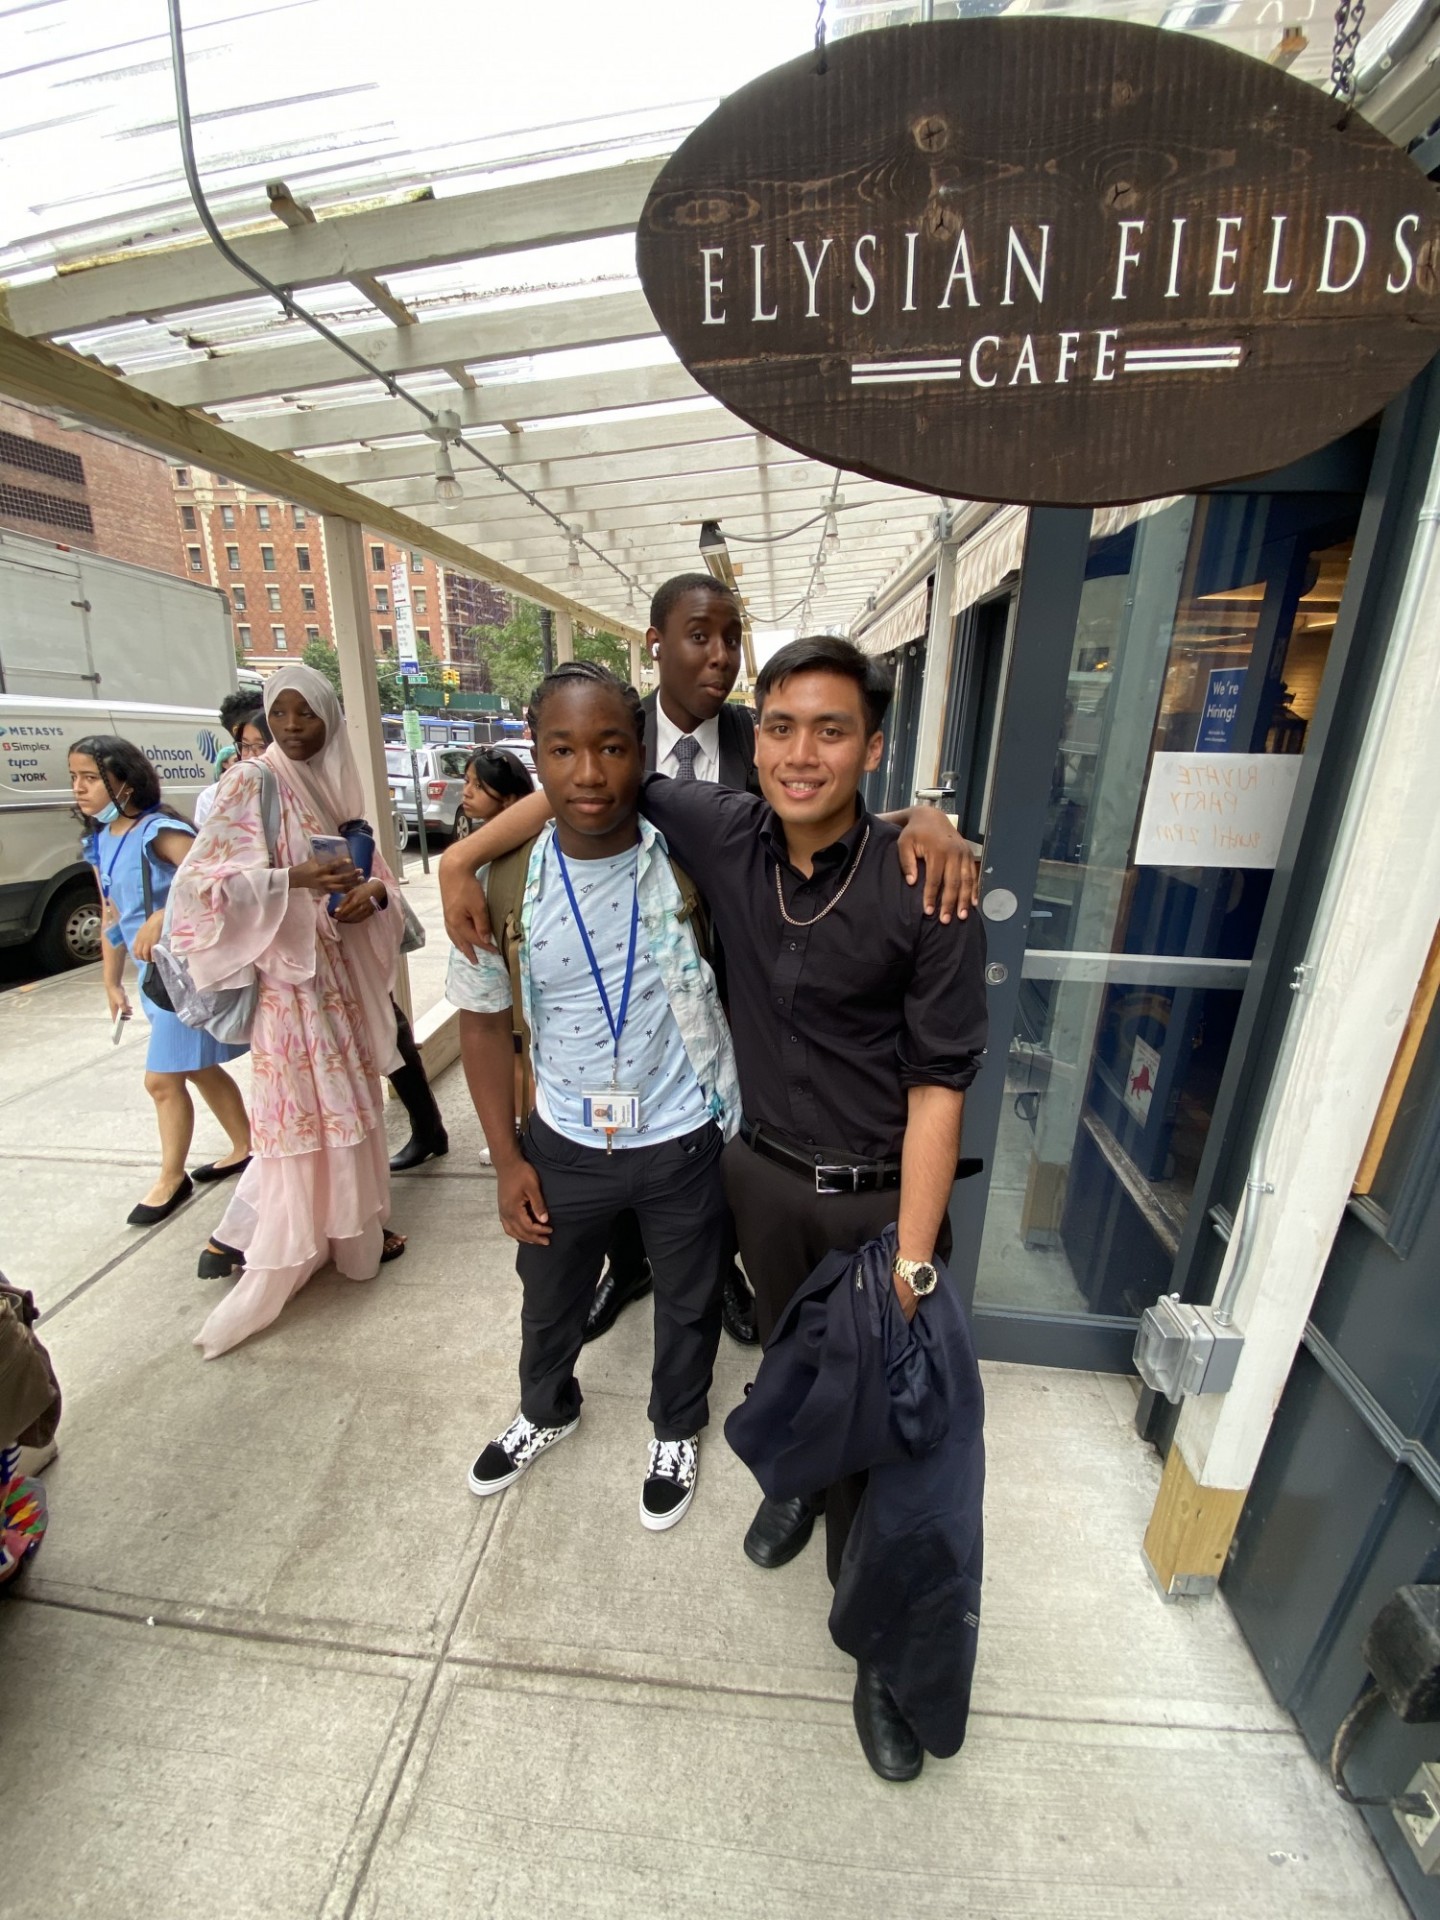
(824, 1175)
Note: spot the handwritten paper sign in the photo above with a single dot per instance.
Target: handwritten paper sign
(1216, 809)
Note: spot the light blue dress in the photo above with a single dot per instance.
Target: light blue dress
(116, 857)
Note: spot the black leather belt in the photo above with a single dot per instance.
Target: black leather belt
(830, 1176)
(843, 1176)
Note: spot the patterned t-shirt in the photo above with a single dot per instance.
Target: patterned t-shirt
(573, 1049)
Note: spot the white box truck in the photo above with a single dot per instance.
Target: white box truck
(89, 645)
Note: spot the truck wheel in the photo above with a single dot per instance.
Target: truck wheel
(69, 934)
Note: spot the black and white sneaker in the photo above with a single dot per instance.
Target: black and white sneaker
(505, 1459)
(669, 1483)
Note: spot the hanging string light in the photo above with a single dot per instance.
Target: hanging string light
(573, 564)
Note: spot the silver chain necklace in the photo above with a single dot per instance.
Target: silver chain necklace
(854, 869)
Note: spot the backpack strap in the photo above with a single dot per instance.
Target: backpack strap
(693, 910)
(270, 810)
(505, 898)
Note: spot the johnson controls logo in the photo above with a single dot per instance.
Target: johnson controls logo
(209, 745)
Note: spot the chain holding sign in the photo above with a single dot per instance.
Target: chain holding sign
(1060, 262)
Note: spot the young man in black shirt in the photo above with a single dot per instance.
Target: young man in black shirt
(858, 1019)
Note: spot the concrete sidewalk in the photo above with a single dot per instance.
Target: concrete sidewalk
(274, 1658)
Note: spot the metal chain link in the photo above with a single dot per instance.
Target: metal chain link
(822, 63)
(1349, 24)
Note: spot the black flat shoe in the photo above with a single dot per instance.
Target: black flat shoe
(143, 1216)
(780, 1530)
(737, 1309)
(886, 1735)
(218, 1262)
(613, 1295)
(416, 1152)
(213, 1170)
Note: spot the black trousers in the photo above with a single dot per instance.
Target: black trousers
(676, 1191)
(412, 1089)
(786, 1229)
(625, 1249)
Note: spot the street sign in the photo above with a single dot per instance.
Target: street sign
(404, 622)
(414, 739)
(1045, 260)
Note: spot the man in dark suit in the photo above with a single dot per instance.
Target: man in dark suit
(692, 732)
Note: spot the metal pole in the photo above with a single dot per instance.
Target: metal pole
(547, 642)
(419, 797)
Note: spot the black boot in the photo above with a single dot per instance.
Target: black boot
(416, 1151)
(886, 1735)
(412, 1090)
(779, 1531)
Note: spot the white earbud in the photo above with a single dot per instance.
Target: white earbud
(655, 651)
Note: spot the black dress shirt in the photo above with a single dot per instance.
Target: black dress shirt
(832, 1022)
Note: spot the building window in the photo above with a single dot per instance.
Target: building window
(382, 599)
(262, 515)
(422, 634)
(302, 559)
(26, 503)
(297, 515)
(232, 559)
(272, 594)
(377, 559)
(182, 476)
(267, 559)
(196, 559)
(187, 519)
(237, 596)
(417, 561)
(387, 638)
(35, 457)
(307, 599)
(242, 634)
(419, 599)
(277, 634)
(312, 633)
(227, 516)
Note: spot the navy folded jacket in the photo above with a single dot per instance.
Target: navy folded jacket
(845, 1387)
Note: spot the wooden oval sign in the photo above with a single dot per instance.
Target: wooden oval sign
(1064, 262)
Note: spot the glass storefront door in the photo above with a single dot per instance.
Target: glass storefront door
(1193, 671)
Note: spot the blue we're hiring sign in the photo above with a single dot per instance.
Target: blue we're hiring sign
(1217, 715)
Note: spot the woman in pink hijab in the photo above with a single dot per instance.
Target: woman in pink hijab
(318, 1188)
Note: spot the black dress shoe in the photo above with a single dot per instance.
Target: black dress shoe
(886, 1735)
(213, 1170)
(779, 1531)
(416, 1152)
(737, 1308)
(613, 1295)
(143, 1216)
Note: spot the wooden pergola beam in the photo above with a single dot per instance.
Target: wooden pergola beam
(47, 376)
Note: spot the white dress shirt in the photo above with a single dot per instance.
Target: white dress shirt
(706, 737)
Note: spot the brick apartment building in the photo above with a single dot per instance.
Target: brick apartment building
(268, 555)
(85, 489)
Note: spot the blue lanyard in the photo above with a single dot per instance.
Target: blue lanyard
(108, 873)
(617, 1027)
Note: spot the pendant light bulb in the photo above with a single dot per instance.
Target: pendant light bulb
(831, 541)
(573, 564)
(447, 488)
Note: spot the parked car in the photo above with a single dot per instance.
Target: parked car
(442, 782)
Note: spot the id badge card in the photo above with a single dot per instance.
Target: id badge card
(612, 1111)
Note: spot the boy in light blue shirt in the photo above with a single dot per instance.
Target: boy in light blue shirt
(635, 1089)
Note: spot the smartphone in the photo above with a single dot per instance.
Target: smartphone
(331, 846)
(117, 1027)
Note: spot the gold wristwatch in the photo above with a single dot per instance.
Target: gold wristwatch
(918, 1275)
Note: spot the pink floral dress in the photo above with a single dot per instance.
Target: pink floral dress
(318, 1188)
